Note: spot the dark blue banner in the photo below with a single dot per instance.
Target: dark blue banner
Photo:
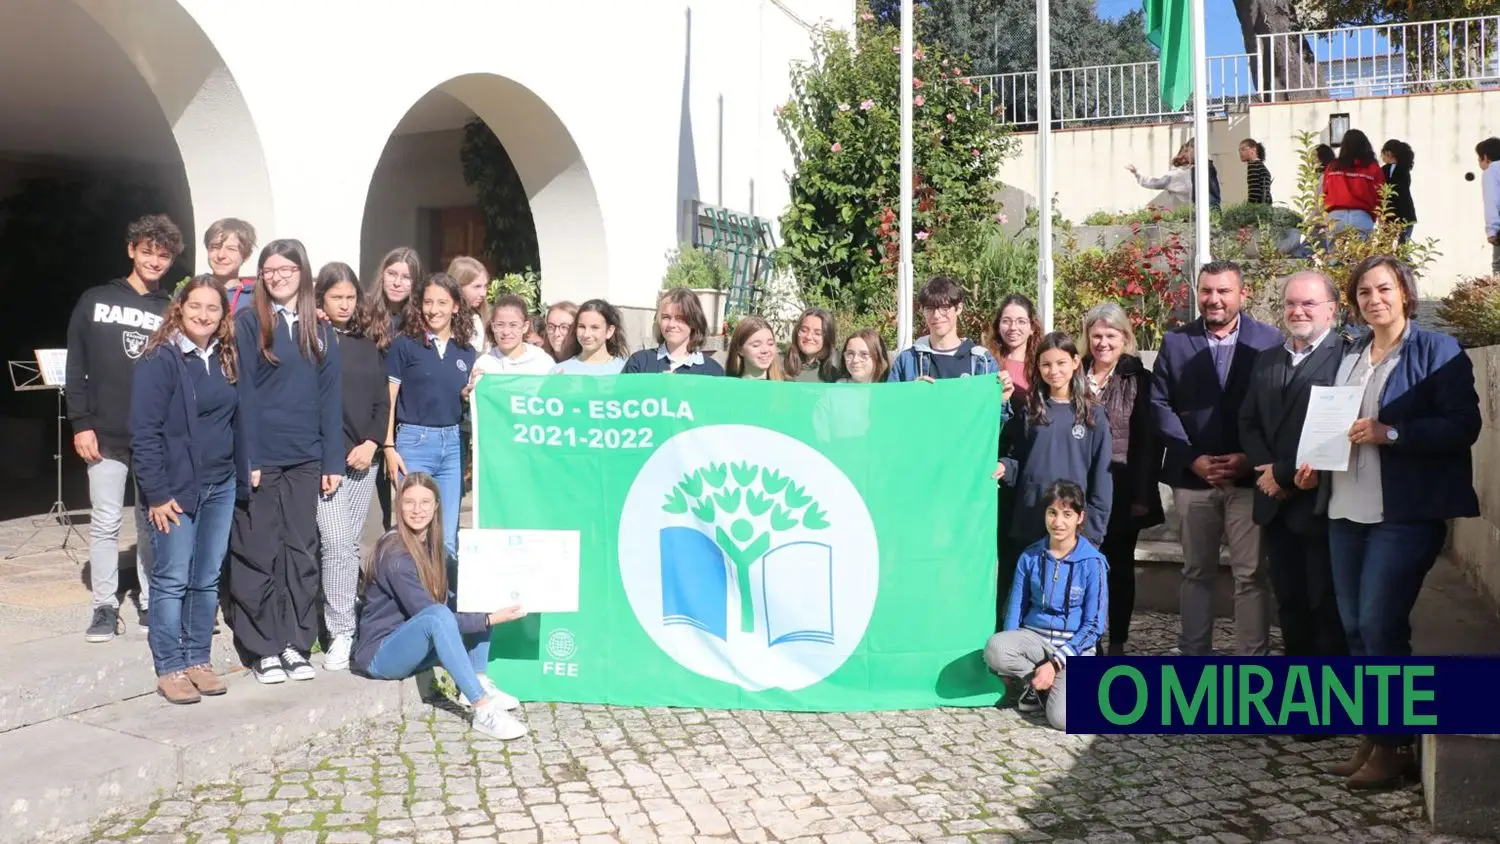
(1239, 695)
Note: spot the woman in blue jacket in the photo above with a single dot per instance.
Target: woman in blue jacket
(1409, 472)
(185, 436)
(289, 391)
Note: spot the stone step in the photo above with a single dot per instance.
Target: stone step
(62, 675)
(1458, 782)
(61, 776)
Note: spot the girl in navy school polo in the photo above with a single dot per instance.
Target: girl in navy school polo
(385, 303)
(429, 367)
(185, 437)
(681, 329)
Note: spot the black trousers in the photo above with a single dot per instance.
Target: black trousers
(1301, 574)
(275, 580)
(1119, 549)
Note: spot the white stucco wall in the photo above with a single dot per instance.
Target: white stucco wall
(588, 96)
(1089, 164)
(416, 172)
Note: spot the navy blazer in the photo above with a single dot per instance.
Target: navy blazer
(1428, 473)
(1195, 414)
(163, 425)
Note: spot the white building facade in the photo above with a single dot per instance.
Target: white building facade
(337, 122)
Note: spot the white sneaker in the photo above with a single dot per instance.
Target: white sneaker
(296, 665)
(492, 720)
(508, 702)
(268, 670)
(337, 656)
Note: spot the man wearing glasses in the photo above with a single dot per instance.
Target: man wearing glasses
(943, 353)
(1294, 523)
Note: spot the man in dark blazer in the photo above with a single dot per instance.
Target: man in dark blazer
(1294, 523)
(1197, 385)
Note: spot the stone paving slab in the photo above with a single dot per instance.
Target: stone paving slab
(605, 774)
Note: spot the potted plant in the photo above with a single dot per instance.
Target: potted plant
(704, 274)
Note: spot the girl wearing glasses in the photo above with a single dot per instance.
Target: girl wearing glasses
(428, 368)
(289, 395)
(810, 356)
(407, 623)
(601, 341)
(865, 358)
(558, 338)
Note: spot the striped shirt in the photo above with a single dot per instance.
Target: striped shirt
(1260, 182)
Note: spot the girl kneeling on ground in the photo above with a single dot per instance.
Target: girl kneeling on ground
(407, 624)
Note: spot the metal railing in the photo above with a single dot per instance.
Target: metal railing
(1381, 61)
(1368, 61)
(1115, 93)
(744, 243)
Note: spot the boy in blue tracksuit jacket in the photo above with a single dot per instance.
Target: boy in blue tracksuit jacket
(942, 353)
(1059, 601)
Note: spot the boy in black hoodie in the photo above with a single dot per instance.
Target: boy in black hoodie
(106, 336)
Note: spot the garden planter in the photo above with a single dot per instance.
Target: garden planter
(712, 303)
(1286, 240)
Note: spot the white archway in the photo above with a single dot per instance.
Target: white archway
(210, 121)
(565, 206)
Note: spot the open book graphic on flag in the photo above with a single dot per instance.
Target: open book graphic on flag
(796, 587)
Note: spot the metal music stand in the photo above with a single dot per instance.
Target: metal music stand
(34, 376)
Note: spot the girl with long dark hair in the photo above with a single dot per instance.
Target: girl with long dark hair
(1351, 185)
(1399, 159)
(602, 347)
(810, 356)
(1063, 435)
(289, 393)
(365, 400)
(1014, 334)
(186, 440)
(428, 367)
(407, 623)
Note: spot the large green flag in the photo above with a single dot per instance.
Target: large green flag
(748, 544)
(1169, 29)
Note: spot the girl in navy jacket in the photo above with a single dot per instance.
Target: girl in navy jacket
(1062, 436)
(290, 403)
(189, 461)
(681, 328)
(407, 623)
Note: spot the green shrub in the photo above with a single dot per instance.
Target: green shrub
(1472, 311)
(527, 284)
(694, 268)
(1258, 215)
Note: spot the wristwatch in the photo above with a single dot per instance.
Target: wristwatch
(1391, 434)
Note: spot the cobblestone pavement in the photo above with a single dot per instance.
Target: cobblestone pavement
(600, 774)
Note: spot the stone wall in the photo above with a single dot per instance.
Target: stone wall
(1475, 543)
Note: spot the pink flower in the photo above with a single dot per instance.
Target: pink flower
(916, 83)
(1002, 219)
(867, 17)
(952, 117)
(843, 106)
(976, 152)
(918, 100)
(866, 105)
(923, 235)
(837, 147)
(920, 53)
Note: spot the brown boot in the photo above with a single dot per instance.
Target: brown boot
(1351, 766)
(1386, 768)
(205, 680)
(177, 688)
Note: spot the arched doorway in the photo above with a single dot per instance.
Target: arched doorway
(112, 111)
(419, 194)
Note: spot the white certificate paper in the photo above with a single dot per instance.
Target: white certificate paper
(535, 569)
(1331, 411)
(53, 366)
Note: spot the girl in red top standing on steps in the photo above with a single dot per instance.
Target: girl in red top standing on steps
(1351, 185)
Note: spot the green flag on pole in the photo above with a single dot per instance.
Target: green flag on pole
(1169, 29)
(744, 544)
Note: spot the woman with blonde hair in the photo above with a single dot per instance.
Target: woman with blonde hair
(474, 281)
(407, 623)
(1120, 382)
(752, 352)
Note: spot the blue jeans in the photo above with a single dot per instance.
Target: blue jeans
(185, 580)
(435, 451)
(431, 638)
(1377, 574)
(1349, 218)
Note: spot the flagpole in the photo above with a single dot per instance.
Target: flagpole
(1202, 212)
(1044, 161)
(904, 269)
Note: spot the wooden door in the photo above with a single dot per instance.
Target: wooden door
(458, 231)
